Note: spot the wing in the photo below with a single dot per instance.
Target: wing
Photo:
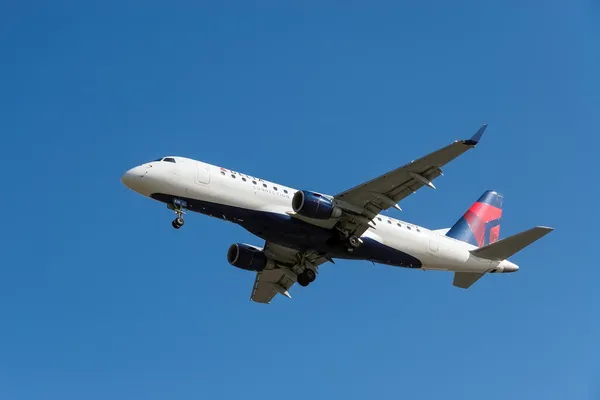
(363, 202)
(280, 279)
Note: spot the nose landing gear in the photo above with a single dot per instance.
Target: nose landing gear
(178, 222)
(178, 207)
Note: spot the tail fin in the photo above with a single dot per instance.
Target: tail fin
(480, 225)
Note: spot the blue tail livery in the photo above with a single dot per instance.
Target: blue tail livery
(480, 225)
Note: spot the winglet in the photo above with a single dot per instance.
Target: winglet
(476, 137)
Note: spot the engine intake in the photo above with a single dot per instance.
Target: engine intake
(246, 257)
(314, 205)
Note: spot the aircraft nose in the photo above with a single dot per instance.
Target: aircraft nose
(133, 177)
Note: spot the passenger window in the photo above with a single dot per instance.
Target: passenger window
(399, 225)
(285, 191)
(275, 188)
(264, 185)
(379, 219)
(409, 228)
(223, 173)
(244, 179)
(389, 221)
(233, 176)
(169, 160)
(254, 182)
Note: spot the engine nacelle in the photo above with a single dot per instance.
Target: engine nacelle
(314, 205)
(246, 257)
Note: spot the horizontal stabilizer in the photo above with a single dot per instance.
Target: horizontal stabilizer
(505, 248)
(465, 279)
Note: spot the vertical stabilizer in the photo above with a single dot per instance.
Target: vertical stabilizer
(480, 225)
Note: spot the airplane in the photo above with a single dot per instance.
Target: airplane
(303, 229)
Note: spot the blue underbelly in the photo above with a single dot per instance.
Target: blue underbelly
(287, 231)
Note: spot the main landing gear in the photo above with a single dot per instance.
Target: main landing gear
(306, 277)
(178, 207)
(344, 238)
(354, 242)
(305, 272)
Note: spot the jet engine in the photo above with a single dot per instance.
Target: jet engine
(246, 257)
(314, 205)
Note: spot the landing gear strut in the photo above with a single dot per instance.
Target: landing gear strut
(178, 207)
(306, 277)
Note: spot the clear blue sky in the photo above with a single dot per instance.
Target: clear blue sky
(101, 298)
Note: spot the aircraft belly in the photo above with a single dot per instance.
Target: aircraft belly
(282, 229)
(287, 231)
(373, 250)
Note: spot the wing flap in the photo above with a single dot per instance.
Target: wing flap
(269, 283)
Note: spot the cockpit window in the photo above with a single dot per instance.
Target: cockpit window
(167, 159)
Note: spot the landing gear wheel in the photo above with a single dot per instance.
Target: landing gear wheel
(303, 280)
(178, 222)
(306, 277)
(353, 241)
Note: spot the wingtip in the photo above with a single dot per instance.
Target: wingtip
(546, 228)
(477, 136)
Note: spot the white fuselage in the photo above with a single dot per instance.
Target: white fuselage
(194, 180)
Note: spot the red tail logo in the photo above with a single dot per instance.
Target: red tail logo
(480, 225)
